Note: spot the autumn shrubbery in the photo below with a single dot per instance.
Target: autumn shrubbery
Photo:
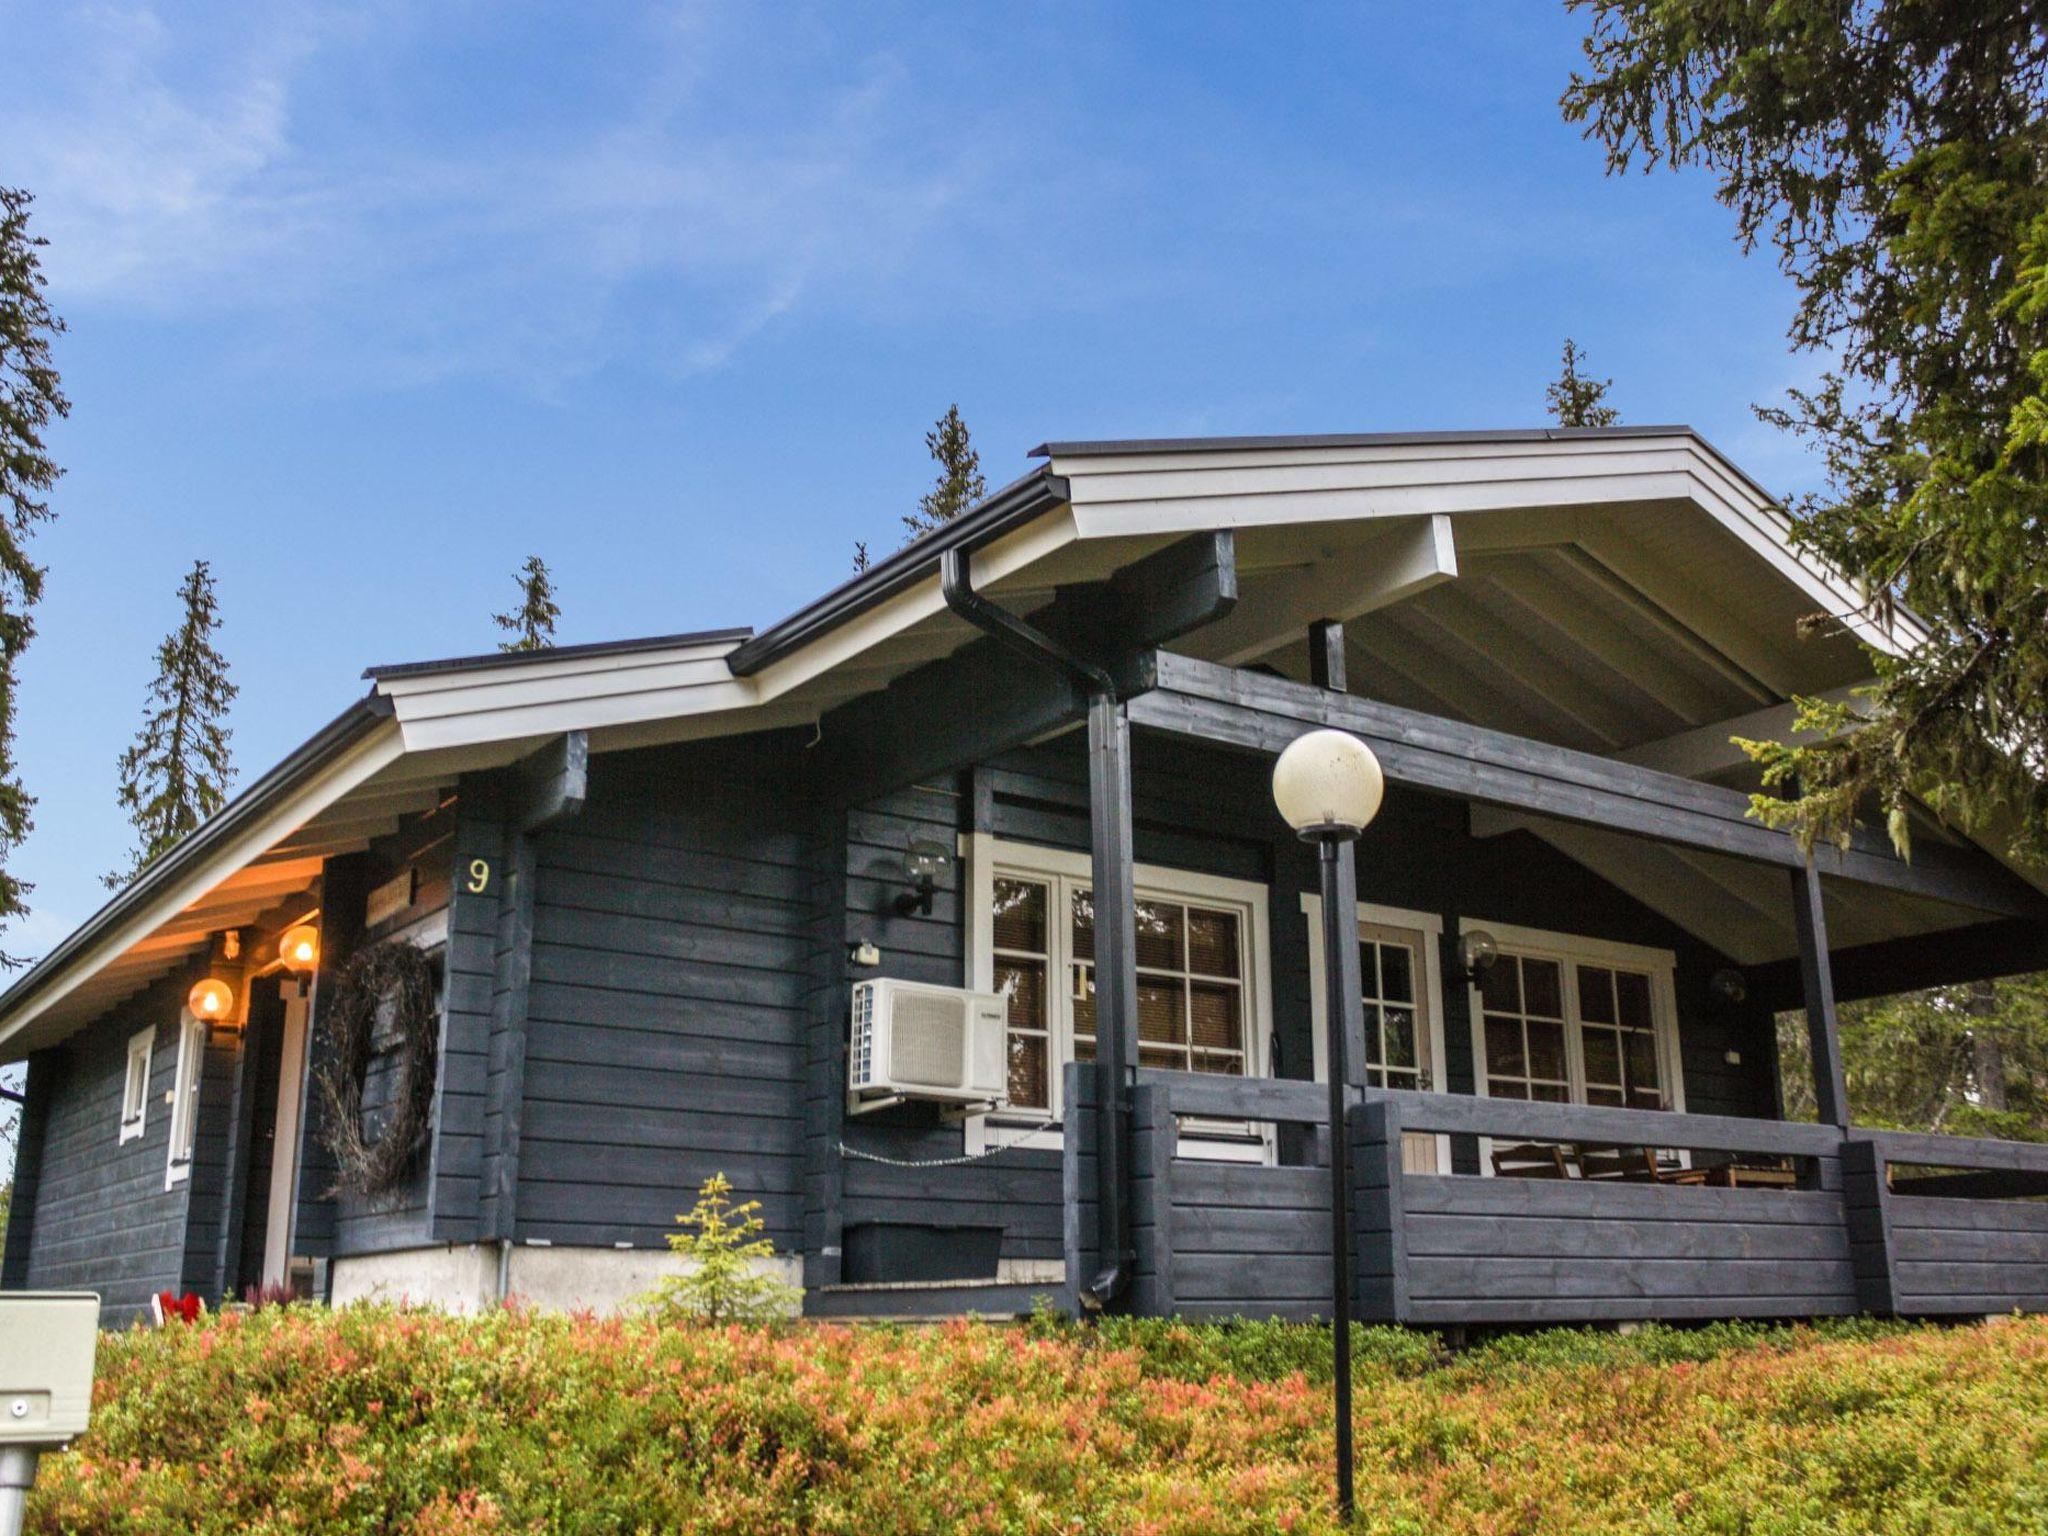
(366, 1419)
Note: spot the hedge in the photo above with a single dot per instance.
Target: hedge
(371, 1419)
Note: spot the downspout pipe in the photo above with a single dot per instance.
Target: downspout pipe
(1095, 684)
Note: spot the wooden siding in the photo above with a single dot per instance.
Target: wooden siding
(100, 1217)
(664, 1038)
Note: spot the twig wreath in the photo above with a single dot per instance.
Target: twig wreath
(401, 976)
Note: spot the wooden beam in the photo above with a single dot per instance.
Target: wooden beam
(1116, 985)
(1410, 558)
(1706, 750)
(1261, 713)
(988, 698)
(1830, 1086)
(1947, 957)
(554, 782)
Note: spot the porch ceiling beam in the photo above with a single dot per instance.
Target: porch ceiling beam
(1707, 750)
(987, 698)
(1250, 710)
(1948, 957)
(1410, 558)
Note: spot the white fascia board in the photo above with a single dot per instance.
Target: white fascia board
(1709, 749)
(359, 763)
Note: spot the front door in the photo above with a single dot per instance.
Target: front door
(284, 1146)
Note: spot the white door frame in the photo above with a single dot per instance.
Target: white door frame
(284, 1147)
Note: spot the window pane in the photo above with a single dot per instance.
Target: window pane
(1397, 973)
(1546, 1050)
(1500, 985)
(1023, 983)
(1633, 988)
(1506, 1088)
(1542, 989)
(1642, 1065)
(1548, 1093)
(1217, 1021)
(1162, 1010)
(1020, 915)
(1397, 1028)
(1219, 1061)
(1084, 1007)
(1212, 942)
(1162, 1056)
(1504, 1047)
(1084, 1050)
(1596, 994)
(1082, 920)
(1603, 1058)
(1608, 1096)
(1027, 1071)
(1159, 936)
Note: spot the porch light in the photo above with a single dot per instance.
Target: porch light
(1730, 985)
(299, 949)
(1477, 950)
(924, 860)
(211, 999)
(1328, 785)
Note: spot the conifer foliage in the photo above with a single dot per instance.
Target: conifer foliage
(1576, 399)
(959, 485)
(177, 771)
(532, 624)
(31, 395)
(727, 1281)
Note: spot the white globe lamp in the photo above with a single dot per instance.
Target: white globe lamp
(1328, 785)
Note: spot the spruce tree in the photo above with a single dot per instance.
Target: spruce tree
(30, 396)
(1576, 399)
(177, 772)
(959, 485)
(532, 623)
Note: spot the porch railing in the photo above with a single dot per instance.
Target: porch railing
(1436, 1248)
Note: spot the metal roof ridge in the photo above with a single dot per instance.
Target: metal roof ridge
(487, 659)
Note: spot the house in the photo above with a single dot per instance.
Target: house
(647, 878)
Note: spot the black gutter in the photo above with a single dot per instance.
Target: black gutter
(1015, 504)
(558, 652)
(340, 733)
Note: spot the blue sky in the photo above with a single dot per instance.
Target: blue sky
(369, 303)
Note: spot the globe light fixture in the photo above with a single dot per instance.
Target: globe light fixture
(298, 950)
(1328, 785)
(211, 999)
(1477, 950)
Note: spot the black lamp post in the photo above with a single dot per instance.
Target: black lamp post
(1328, 786)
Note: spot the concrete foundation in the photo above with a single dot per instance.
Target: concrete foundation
(463, 1277)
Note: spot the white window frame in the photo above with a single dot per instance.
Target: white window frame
(988, 857)
(1568, 950)
(1430, 927)
(135, 1084)
(192, 1035)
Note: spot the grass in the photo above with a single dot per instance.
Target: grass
(298, 1419)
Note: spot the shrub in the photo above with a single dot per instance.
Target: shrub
(726, 1283)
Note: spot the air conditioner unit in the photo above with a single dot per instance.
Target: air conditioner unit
(914, 1041)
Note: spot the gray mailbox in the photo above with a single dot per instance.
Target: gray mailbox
(47, 1339)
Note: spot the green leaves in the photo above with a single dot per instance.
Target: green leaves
(731, 1278)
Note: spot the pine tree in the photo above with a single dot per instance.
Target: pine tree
(532, 623)
(177, 772)
(960, 484)
(727, 1281)
(1577, 400)
(30, 395)
(860, 556)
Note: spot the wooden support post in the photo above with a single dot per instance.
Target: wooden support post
(1116, 979)
(1154, 1133)
(1382, 1229)
(1866, 1199)
(1830, 1088)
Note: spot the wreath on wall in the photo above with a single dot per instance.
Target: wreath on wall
(398, 977)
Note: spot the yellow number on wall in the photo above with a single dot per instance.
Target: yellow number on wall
(479, 876)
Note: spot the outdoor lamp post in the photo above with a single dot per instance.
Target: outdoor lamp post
(1328, 786)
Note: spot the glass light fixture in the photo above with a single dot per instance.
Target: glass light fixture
(299, 948)
(925, 859)
(1730, 985)
(1328, 785)
(1477, 950)
(211, 999)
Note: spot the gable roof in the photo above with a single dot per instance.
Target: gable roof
(1303, 507)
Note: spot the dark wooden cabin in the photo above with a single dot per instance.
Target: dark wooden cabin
(650, 873)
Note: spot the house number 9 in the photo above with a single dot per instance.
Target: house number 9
(479, 876)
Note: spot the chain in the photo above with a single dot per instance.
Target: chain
(937, 1162)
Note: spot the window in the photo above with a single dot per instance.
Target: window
(185, 1098)
(1200, 962)
(1580, 1021)
(1399, 985)
(135, 1085)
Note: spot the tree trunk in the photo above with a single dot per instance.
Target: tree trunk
(1987, 1052)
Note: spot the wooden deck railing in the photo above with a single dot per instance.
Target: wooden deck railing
(1218, 1238)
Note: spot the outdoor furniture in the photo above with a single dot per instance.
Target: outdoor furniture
(1531, 1160)
(1752, 1176)
(1638, 1164)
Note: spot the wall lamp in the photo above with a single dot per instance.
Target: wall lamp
(1730, 985)
(1477, 951)
(211, 999)
(924, 860)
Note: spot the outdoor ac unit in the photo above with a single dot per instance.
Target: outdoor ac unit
(913, 1041)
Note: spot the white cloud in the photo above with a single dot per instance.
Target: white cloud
(189, 172)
